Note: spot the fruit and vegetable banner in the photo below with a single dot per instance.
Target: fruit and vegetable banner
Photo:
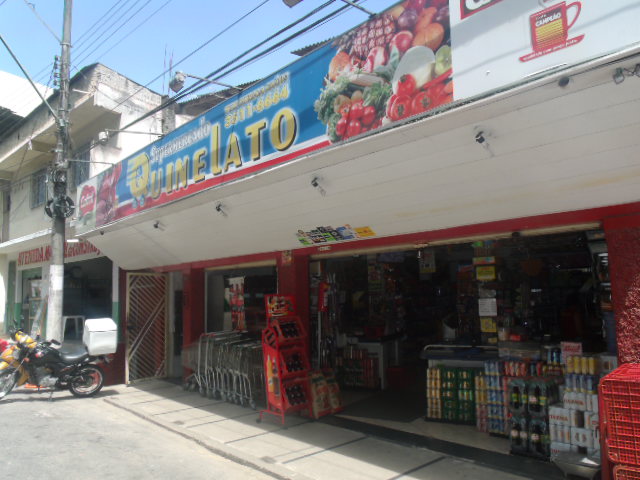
(496, 43)
(393, 66)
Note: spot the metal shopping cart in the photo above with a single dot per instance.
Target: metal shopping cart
(226, 366)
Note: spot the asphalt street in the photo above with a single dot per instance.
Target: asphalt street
(69, 438)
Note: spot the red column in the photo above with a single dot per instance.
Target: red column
(193, 305)
(623, 241)
(293, 279)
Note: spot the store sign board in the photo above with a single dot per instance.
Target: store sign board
(345, 88)
(510, 41)
(43, 254)
(402, 63)
(469, 7)
(329, 234)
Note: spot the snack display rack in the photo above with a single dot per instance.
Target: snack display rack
(286, 363)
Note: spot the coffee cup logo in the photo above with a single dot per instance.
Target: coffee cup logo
(550, 29)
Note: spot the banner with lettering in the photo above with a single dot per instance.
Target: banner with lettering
(399, 64)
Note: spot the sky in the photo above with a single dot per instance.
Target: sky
(142, 38)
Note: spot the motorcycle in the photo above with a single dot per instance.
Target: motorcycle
(43, 365)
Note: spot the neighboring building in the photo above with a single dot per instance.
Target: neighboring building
(102, 101)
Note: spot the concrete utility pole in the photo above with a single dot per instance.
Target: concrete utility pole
(60, 206)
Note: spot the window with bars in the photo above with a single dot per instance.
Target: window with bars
(38, 188)
(80, 167)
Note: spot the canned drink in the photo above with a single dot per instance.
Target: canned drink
(581, 384)
(584, 365)
(569, 364)
(592, 365)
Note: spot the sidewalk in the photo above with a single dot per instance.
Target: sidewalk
(305, 449)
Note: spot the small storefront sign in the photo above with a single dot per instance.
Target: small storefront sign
(43, 254)
(330, 234)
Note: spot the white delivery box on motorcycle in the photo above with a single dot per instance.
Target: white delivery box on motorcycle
(100, 336)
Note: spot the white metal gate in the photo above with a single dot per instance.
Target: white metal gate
(146, 322)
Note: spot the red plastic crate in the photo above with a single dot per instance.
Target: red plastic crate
(626, 472)
(620, 392)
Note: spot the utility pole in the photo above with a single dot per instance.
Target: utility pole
(60, 206)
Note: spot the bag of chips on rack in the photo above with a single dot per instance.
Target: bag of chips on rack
(320, 403)
(335, 399)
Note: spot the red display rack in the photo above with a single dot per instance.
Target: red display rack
(620, 415)
(625, 472)
(286, 366)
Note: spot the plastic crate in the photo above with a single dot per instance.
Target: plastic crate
(626, 472)
(620, 391)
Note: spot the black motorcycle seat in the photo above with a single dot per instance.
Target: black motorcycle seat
(73, 353)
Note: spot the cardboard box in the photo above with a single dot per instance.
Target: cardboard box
(575, 401)
(582, 437)
(557, 447)
(570, 349)
(559, 415)
(591, 420)
(607, 363)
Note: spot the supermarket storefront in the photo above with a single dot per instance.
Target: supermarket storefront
(531, 149)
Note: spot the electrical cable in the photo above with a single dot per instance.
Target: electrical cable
(104, 16)
(85, 48)
(275, 47)
(265, 52)
(233, 24)
(201, 83)
(33, 9)
(102, 19)
(149, 17)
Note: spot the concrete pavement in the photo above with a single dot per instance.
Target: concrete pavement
(304, 449)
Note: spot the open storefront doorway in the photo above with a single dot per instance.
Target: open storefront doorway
(396, 323)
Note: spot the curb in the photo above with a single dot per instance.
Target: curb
(218, 448)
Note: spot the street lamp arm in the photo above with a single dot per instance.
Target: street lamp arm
(55, 115)
(215, 82)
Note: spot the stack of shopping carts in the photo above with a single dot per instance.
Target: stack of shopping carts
(226, 366)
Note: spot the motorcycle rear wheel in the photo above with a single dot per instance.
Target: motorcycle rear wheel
(87, 381)
(8, 380)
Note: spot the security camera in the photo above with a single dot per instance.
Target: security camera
(480, 137)
(219, 207)
(103, 137)
(101, 232)
(314, 182)
(564, 81)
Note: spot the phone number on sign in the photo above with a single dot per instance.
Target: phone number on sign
(259, 105)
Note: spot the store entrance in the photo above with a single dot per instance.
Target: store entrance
(235, 299)
(87, 294)
(393, 325)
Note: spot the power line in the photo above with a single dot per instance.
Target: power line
(82, 51)
(149, 17)
(212, 76)
(102, 19)
(233, 24)
(33, 9)
(201, 84)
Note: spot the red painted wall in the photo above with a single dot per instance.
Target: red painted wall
(293, 279)
(193, 305)
(623, 241)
